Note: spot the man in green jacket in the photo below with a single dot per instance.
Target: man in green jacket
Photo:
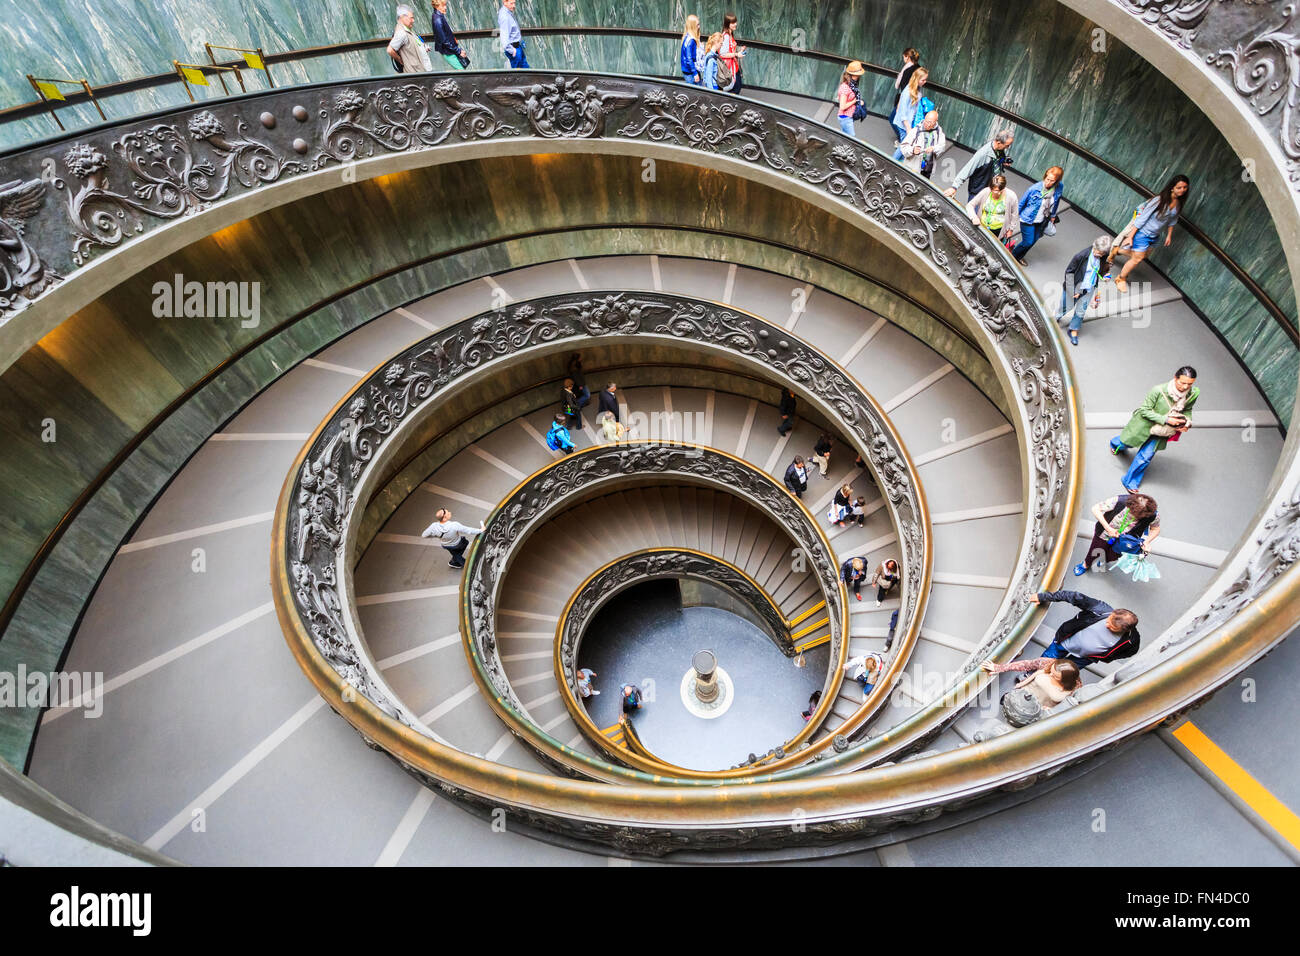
(1165, 413)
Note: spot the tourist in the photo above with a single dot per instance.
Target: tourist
(913, 107)
(1052, 680)
(989, 160)
(1038, 210)
(996, 209)
(842, 506)
(709, 71)
(787, 412)
(1098, 633)
(690, 53)
(813, 700)
(584, 683)
(512, 39)
(452, 534)
(865, 669)
(923, 145)
(609, 400)
(1164, 416)
(796, 477)
(444, 40)
(859, 512)
(571, 404)
(406, 48)
(853, 572)
(631, 698)
(1157, 213)
(886, 579)
(579, 379)
(1133, 515)
(1080, 287)
(821, 456)
(848, 97)
(730, 54)
(557, 437)
(911, 60)
(611, 428)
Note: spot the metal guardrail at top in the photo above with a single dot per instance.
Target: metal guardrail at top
(34, 108)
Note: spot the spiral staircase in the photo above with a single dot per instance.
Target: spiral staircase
(983, 443)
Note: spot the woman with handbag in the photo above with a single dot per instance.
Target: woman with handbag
(848, 99)
(1164, 416)
(885, 579)
(730, 53)
(842, 506)
(1050, 679)
(1157, 213)
(1037, 210)
(444, 40)
(913, 107)
(996, 208)
(1124, 522)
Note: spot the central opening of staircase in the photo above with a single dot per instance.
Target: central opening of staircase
(652, 635)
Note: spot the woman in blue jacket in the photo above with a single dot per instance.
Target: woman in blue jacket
(709, 72)
(444, 40)
(690, 51)
(1038, 210)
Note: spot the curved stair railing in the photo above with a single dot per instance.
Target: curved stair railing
(592, 472)
(348, 454)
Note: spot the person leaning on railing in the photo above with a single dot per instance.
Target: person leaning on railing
(1097, 634)
(1050, 680)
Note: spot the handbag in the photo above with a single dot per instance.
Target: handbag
(463, 57)
(1125, 544)
(1050, 228)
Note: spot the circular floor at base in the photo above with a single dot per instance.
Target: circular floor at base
(645, 637)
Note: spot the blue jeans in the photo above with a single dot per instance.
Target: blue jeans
(1133, 477)
(846, 126)
(457, 552)
(1055, 651)
(866, 688)
(899, 133)
(694, 79)
(1080, 307)
(1029, 233)
(518, 61)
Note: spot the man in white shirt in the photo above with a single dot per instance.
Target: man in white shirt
(452, 534)
(406, 48)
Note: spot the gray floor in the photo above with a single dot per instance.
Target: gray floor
(215, 749)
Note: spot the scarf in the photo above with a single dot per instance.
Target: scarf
(1179, 399)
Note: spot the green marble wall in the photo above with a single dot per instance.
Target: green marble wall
(113, 367)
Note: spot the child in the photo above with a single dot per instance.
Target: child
(859, 512)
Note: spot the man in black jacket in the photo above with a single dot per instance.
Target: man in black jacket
(796, 477)
(1082, 283)
(787, 411)
(1097, 634)
(609, 400)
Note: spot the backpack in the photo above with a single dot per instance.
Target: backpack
(726, 78)
(553, 439)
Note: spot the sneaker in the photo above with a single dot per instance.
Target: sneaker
(595, 693)
(1080, 568)
(858, 596)
(878, 603)
(453, 564)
